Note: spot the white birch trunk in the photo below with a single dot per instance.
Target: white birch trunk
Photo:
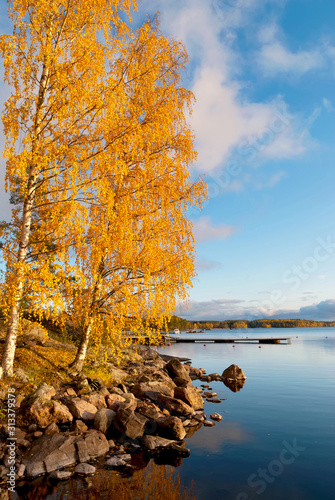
(7, 363)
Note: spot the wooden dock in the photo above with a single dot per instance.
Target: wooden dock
(270, 340)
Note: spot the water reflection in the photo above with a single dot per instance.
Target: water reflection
(152, 482)
(213, 442)
(234, 385)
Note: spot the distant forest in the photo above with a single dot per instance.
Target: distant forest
(183, 324)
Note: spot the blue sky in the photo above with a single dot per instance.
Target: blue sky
(263, 76)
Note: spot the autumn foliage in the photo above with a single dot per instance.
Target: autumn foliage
(98, 153)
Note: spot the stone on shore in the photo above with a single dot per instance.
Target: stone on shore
(130, 423)
(82, 409)
(103, 419)
(175, 405)
(233, 372)
(154, 442)
(85, 469)
(176, 369)
(190, 395)
(61, 475)
(53, 452)
(216, 416)
(171, 428)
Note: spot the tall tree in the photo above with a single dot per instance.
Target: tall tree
(140, 255)
(55, 62)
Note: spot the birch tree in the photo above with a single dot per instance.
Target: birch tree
(55, 63)
(140, 255)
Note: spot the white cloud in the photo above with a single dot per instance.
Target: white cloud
(276, 58)
(223, 309)
(223, 118)
(204, 230)
(328, 105)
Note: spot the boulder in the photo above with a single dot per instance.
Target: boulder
(82, 409)
(175, 405)
(91, 445)
(103, 419)
(117, 374)
(233, 372)
(61, 475)
(152, 389)
(171, 428)
(129, 423)
(85, 469)
(97, 400)
(176, 369)
(149, 410)
(45, 412)
(33, 331)
(49, 453)
(53, 452)
(154, 442)
(116, 462)
(113, 401)
(61, 413)
(189, 395)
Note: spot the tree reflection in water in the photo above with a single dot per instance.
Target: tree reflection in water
(150, 483)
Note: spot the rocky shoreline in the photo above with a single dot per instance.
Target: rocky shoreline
(153, 406)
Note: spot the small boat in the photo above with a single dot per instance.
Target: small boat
(176, 331)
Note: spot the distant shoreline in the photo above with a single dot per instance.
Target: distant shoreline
(237, 324)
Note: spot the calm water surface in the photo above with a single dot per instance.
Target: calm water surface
(277, 437)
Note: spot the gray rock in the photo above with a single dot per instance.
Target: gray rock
(130, 423)
(82, 409)
(61, 475)
(85, 469)
(103, 419)
(53, 452)
(156, 442)
(115, 462)
(233, 372)
(97, 443)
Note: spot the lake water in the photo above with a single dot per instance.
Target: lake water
(276, 440)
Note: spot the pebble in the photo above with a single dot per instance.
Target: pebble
(208, 423)
(216, 416)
